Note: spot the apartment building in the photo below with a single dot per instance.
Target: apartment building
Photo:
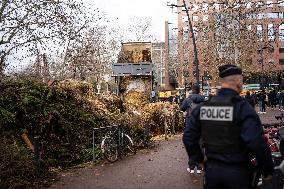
(249, 34)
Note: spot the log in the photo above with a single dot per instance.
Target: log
(28, 141)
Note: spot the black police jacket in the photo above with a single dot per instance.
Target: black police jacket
(251, 136)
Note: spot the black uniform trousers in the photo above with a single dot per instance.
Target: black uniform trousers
(226, 176)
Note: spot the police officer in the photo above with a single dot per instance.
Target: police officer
(231, 132)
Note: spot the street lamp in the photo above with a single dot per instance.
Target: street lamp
(196, 61)
(260, 51)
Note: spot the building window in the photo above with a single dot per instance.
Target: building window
(248, 5)
(261, 15)
(185, 34)
(225, 6)
(216, 6)
(249, 27)
(236, 5)
(205, 7)
(259, 31)
(205, 18)
(184, 18)
(183, 8)
(269, 3)
(252, 16)
(195, 31)
(281, 32)
(259, 4)
(194, 18)
(194, 7)
(280, 15)
(281, 61)
(272, 15)
(281, 50)
(280, 3)
(270, 32)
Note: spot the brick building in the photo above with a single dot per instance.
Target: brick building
(250, 35)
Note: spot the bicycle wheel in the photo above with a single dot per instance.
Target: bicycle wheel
(128, 145)
(109, 149)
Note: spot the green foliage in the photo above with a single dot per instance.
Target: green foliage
(18, 168)
(63, 126)
(63, 122)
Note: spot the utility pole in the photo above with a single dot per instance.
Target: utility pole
(195, 61)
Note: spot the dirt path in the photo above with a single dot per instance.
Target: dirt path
(162, 167)
(159, 168)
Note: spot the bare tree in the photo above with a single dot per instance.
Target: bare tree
(90, 47)
(87, 57)
(226, 33)
(34, 25)
(139, 30)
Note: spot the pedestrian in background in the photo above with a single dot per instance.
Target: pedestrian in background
(249, 99)
(213, 92)
(153, 96)
(231, 132)
(254, 96)
(188, 105)
(281, 100)
(258, 96)
(273, 99)
(278, 98)
(262, 102)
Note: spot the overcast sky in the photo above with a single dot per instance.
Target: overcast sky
(122, 10)
(119, 12)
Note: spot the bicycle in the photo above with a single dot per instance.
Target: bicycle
(116, 143)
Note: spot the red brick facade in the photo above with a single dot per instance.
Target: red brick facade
(266, 21)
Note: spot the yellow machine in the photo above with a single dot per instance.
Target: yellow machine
(168, 94)
(252, 88)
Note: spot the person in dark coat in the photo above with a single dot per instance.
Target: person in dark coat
(262, 102)
(273, 99)
(232, 134)
(282, 100)
(250, 99)
(188, 105)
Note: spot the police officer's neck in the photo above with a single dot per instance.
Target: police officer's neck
(230, 86)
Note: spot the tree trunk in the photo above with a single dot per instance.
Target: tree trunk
(2, 65)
